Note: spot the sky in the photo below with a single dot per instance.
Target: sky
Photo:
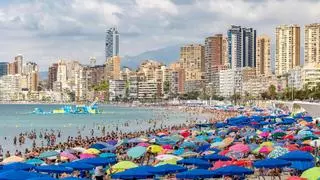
(44, 31)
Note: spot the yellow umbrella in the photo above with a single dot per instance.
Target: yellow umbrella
(12, 159)
(267, 143)
(121, 166)
(91, 151)
(307, 142)
(226, 142)
(154, 148)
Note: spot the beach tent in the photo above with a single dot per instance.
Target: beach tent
(197, 174)
(167, 169)
(54, 169)
(18, 166)
(271, 163)
(78, 166)
(232, 170)
(195, 161)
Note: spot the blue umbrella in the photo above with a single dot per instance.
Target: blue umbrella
(203, 148)
(97, 146)
(178, 152)
(18, 175)
(302, 165)
(271, 163)
(134, 173)
(216, 157)
(196, 174)
(107, 155)
(74, 178)
(233, 170)
(34, 161)
(42, 178)
(167, 169)
(78, 165)
(98, 161)
(18, 166)
(297, 156)
(188, 144)
(136, 152)
(54, 169)
(194, 161)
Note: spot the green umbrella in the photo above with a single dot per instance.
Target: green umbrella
(48, 154)
(34, 161)
(277, 152)
(312, 173)
(278, 135)
(136, 152)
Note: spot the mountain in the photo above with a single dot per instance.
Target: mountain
(165, 55)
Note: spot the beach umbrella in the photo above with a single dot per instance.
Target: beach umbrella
(188, 144)
(78, 166)
(107, 155)
(154, 148)
(143, 144)
(194, 161)
(85, 156)
(42, 178)
(48, 154)
(292, 147)
(277, 152)
(296, 178)
(17, 166)
(232, 170)
(196, 174)
(240, 148)
(216, 157)
(265, 150)
(68, 156)
(163, 157)
(288, 137)
(167, 169)
(91, 151)
(12, 159)
(307, 148)
(136, 152)
(54, 169)
(123, 165)
(217, 144)
(133, 174)
(74, 178)
(78, 149)
(167, 146)
(271, 163)
(278, 135)
(98, 146)
(203, 147)
(267, 143)
(264, 134)
(297, 156)
(305, 133)
(169, 161)
(312, 173)
(178, 152)
(34, 161)
(98, 161)
(219, 164)
(189, 154)
(185, 134)
(18, 175)
(302, 165)
(112, 142)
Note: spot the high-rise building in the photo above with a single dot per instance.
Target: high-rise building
(93, 61)
(34, 81)
(312, 43)
(52, 75)
(4, 68)
(112, 42)
(287, 48)
(215, 56)
(112, 68)
(18, 60)
(12, 68)
(241, 47)
(263, 59)
(192, 61)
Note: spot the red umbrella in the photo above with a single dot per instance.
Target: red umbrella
(289, 137)
(296, 178)
(292, 147)
(185, 134)
(167, 146)
(307, 148)
(224, 152)
(219, 164)
(240, 148)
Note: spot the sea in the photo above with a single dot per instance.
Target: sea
(18, 118)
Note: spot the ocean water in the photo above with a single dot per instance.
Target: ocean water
(18, 118)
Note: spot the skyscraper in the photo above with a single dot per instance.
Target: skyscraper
(287, 48)
(112, 68)
(241, 47)
(263, 59)
(312, 43)
(52, 75)
(215, 57)
(112, 42)
(4, 68)
(18, 60)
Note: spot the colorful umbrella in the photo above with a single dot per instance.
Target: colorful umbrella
(107, 155)
(34, 161)
(240, 148)
(68, 156)
(48, 154)
(164, 157)
(123, 165)
(189, 154)
(277, 152)
(144, 144)
(167, 146)
(91, 151)
(12, 159)
(136, 152)
(265, 150)
(312, 173)
(85, 156)
(154, 149)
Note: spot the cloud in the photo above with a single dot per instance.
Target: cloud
(44, 31)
